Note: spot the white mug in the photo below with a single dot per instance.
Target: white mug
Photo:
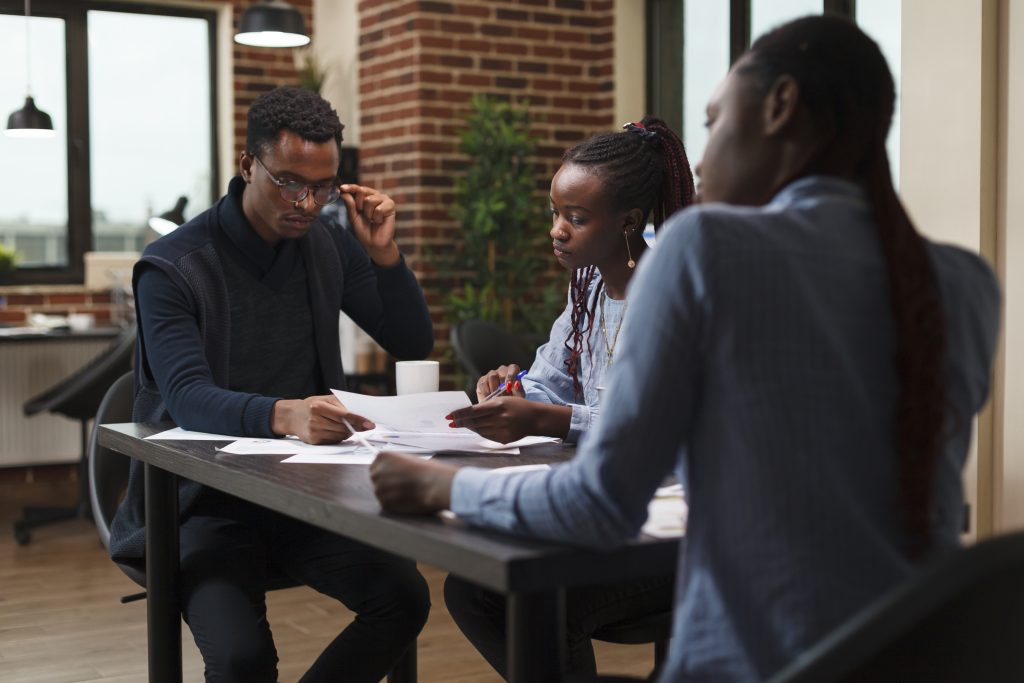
(416, 376)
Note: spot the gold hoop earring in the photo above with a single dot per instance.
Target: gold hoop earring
(631, 263)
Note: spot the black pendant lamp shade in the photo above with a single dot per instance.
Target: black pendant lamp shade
(272, 23)
(30, 122)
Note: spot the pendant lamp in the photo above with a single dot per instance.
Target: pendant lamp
(29, 121)
(272, 23)
(166, 222)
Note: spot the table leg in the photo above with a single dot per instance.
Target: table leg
(163, 610)
(536, 637)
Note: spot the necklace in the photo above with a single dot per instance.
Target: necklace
(609, 346)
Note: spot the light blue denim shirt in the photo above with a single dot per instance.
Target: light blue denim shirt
(548, 380)
(759, 356)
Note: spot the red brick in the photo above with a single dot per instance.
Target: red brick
(24, 300)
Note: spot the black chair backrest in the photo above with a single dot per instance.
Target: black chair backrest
(78, 395)
(961, 620)
(481, 346)
(108, 470)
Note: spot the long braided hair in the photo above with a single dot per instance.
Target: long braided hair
(845, 83)
(643, 166)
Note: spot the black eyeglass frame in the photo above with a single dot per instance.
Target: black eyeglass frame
(307, 189)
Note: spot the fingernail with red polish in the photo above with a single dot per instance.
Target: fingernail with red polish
(448, 416)
(517, 387)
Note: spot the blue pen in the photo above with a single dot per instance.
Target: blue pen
(507, 386)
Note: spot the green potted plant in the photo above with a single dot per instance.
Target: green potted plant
(8, 259)
(497, 265)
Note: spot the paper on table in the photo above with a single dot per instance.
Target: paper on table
(438, 442)
(521, 443)
(409, 413)
(361, 456)
(179, 434)
(283, 447)
(666, 513)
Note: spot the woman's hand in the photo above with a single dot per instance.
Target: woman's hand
(410, 485)
(486, 385)
(501, 419)
(316, 420)
(372, 215)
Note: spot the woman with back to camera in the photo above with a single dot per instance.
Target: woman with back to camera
(601, 198)
(810, 360)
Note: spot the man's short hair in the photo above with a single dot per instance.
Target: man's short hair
(299, 110)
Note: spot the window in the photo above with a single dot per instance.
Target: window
(692, 43)
(130, 91)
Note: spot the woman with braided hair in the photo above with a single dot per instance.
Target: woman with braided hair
(601, 199)
(607, 189)
(810, 360)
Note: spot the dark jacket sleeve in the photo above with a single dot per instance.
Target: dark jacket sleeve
(174, 352)
(385, 302)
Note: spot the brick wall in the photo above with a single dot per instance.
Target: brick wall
(419, 63)
(18, 303)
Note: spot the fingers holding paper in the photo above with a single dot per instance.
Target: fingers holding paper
(315, 420)
(503, 419)
(410, 485)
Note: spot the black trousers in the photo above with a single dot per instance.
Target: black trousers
(480, 615)
(230, 547)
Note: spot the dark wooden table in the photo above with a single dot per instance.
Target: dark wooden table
(340, 498)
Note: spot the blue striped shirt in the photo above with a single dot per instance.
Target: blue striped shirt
(758, 355)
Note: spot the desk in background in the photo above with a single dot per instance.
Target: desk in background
(31, 362)
(340, 498)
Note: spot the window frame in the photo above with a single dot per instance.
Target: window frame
(75, 16)
(662, 31)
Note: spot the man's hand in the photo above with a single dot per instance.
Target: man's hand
(409, 485)
(487, 384)
(316, 420)
(372, 215)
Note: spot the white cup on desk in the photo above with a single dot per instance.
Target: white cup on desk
(416, 376)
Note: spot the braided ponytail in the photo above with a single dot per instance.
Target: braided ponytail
(844, 80)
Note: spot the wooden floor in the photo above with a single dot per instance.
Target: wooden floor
(60, 619)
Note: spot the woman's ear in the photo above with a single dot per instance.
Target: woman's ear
(780, 104)
(633, 221)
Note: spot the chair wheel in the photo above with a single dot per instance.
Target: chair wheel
(22, 536)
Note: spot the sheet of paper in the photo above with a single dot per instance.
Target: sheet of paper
(470, 443)
(409, 413)
(521, 443)
(360, 456)
(179, 434)
(284, 447)
(666, 513)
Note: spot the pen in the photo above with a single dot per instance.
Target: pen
(359, 438)
(505, 386)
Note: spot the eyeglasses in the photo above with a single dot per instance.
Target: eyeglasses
(295, 192)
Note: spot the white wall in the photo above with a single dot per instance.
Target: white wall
(630, 68)
(336, 49)
(947, 170)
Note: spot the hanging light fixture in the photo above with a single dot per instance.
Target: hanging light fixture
(272, 23)
(166, 222)
(29, 121)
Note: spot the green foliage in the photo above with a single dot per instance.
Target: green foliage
(497, 268)
(8, 259)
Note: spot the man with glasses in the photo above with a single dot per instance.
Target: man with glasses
(238, 334)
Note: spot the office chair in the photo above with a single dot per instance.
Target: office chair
(108, 480)
(651, 628)
(480, 346)
(961, 620)
(77, 397)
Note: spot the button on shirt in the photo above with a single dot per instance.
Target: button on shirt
(759, 357)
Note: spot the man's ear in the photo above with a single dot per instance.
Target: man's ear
(245, 166)
(780, 104)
